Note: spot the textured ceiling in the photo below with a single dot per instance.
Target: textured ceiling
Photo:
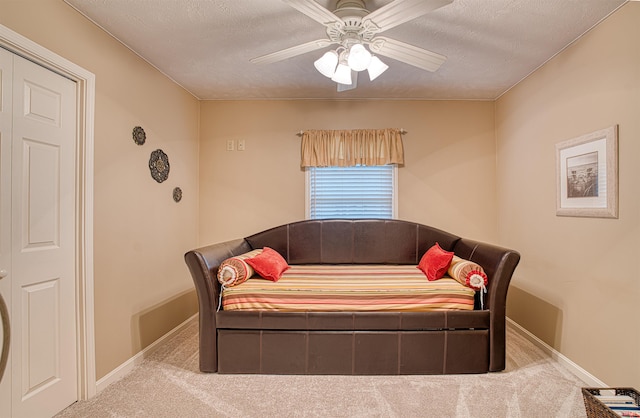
(205, 46)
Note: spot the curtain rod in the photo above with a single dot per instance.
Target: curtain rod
(402, 132)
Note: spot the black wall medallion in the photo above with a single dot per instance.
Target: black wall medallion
(177, 194)
(139, 136)
(159, 165)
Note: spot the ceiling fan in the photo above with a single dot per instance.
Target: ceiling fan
(351, 26)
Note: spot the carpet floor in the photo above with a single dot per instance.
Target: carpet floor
(168, 384)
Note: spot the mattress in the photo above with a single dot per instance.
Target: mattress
(349, 288)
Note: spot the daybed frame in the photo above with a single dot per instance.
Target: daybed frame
(353, 342)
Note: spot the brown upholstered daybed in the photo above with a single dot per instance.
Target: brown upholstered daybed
(351, 341)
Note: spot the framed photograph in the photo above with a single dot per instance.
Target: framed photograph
(587, 171)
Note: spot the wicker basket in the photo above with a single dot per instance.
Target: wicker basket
(596, 409)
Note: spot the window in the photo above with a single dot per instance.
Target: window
(352, 192)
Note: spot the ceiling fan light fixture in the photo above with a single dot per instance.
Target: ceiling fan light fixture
(376, 68)
(342, 74)
(327, 63)
(359, 58)
(355, 30)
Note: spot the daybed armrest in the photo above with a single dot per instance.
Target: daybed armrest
(499, 264)
(203, 264)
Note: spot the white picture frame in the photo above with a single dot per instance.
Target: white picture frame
(587, 175)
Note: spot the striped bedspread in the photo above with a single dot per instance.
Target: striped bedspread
(349, 288)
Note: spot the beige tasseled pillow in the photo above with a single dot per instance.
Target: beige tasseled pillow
(235, 270)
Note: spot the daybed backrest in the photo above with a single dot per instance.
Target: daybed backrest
(370, 241)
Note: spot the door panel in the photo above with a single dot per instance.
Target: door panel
(40, 311)
(40, 196)
(42, 104)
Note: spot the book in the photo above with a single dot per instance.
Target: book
(616, 399)
(624, 408)
(628, 413)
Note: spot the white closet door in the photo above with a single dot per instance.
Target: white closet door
(42, 265)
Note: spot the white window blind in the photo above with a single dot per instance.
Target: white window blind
(351, 192)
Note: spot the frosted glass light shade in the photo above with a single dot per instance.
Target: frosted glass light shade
(342, 74)
(327, 63)
(376, 68)
(359, 57)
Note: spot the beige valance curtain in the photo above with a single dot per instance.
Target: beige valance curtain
(345, 148)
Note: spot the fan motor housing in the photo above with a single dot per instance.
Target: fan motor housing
(351, 12)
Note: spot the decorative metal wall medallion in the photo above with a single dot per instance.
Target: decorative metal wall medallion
(177, 194)
(139, 136)
(159, 165)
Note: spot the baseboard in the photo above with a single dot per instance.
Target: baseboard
(126, 367)
(589, 379)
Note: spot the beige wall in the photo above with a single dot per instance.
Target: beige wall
(142, 287)
(448, 180)
(575, 288)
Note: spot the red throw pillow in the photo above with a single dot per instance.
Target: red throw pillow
(435, 262)
(269, 264)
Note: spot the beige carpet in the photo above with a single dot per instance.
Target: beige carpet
(168, 384)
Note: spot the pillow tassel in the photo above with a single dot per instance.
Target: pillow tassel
(477, 280)
(483, 289)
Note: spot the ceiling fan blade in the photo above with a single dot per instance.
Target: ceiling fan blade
(406, 53)
(353, 85)
(400, 11)
(314, 11)
(292, 52)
